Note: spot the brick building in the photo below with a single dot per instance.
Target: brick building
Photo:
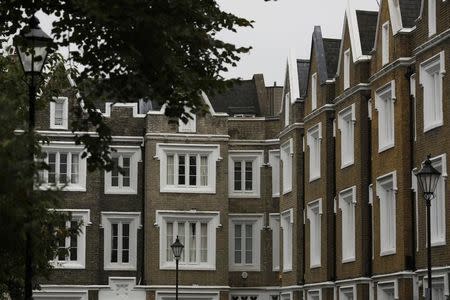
(304, 191)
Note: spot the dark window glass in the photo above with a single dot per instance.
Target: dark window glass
(114, 240)
(248, 175)
(125, 242)
(192, 170)
(237, 176)
(181, 170)
(126, 172)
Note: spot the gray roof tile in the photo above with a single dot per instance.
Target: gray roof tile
(367, 24)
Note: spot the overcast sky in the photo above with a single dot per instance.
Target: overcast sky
(279, 26)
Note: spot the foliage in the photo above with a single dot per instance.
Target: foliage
(21, 207)
(163, 50)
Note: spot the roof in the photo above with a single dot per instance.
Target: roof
(367, 24)
(410, 10)
(241, 98)
(302, 70)
(331, 48)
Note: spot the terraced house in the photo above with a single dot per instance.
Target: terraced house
(301, 191)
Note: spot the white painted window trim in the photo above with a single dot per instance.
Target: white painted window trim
(287, 104)
(213, 220)
(347, 135)
(385, 247)
(440, 162)
(82, 168)
(412, 88)
(134, 153)
(441, 278)
(257, 221)
(83, 215)
(385, 36)
(314, 91)
(65, 101)
(134, 219)
(414, 187)
(343, 290)
(286, 156)
(432, 24)
(211, 150)
(384, 143)
(387, 285)
(274, 161)
(373, 218)
(275, 226)
(287, 225)
(430, 65)
(256, 156)
(348, 236)
(314, 171)
(190, 126)
(347, 59)
(311, 293)
(314, 210)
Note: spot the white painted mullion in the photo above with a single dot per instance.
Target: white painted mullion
(243, 178)
(187, 241)
(120, 179)
(69, 168)
(175, 169)
(198, 167)
(119, 242)
(67, 242)
(243, 246)
(197, 241)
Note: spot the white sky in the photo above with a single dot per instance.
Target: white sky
(279, 26)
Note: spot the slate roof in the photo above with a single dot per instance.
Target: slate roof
(302, 70)
(241, 98)
(410, 10)
(331, 48)
(367, 25)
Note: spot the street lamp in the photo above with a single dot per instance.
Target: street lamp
(177, 249)
(428, 178)
(32, 46)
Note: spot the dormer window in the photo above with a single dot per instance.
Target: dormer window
(385, 43)
(59, 113)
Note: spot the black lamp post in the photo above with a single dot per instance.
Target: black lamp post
(428, 178)
(32, 46)
(177, 248)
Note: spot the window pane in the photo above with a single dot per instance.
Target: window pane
(181, 170)
(204, 242)
(63, 167)
(248, 175)
(59, 113)
(237, 243)
(192, 242)
(170, 169)
(74, 177)
(125, 242)
(114, 242)
(192, 170)
(169, 241)
(203, 170)
(52, 168)
(73, 243)
(115, 172)
(237, 176)
(181, 237)
(248, 243)
(126, 171)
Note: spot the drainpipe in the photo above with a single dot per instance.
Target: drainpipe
(142, 275)
(302, 199)
(370, 209)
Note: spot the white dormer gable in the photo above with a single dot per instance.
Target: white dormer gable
(293, 76)
(395, 18)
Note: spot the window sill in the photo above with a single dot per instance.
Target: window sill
(58, 127)
(385, 147)
(73, 188)
(287, 191)
(120, 191)
(311, 179)
(243, 195)
(183, 267)
(187, 190)
(276, 195)
(276, 269)
(251, 268)
(347, 164)
(388, 252)
(287, 270)
(438, 243)
(118, 267)
(432, 126)
(67, 265)
(315, 266)
(348, 260)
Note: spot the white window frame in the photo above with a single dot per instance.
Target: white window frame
(346, 124)
(83, 215)
(275, 226)
(134, 153)
(433, 115)
(314, 141)
(347, 204)
(287, 225)
(256, 220)
(134, 221)
(313, 91)
(385, 36)
(347, 59)
(437, 280)
(314, 215)
(388, 213)
(412, 88)
(287, 104)
(190, 126)
(438, 224)
(286, 156)
(69, 149)
(312, 294)
(65, 116)
(383, 286)
(274, 161)
(345, 290)
(210, 217)
(211, 150)
(385, 105)
(432, 24)
(256, 156)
